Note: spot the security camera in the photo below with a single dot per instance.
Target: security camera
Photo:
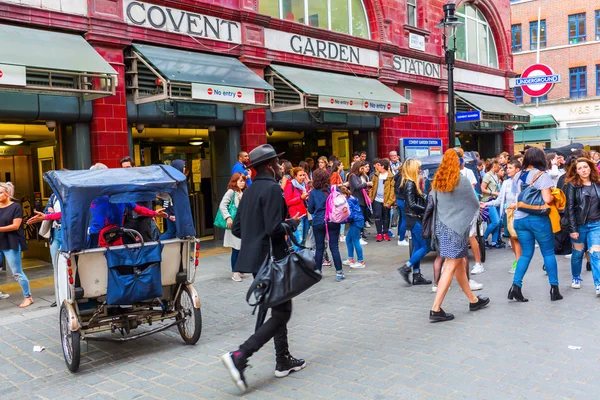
(139, 128)
(212, 128)
(270, 130)
(51, 125)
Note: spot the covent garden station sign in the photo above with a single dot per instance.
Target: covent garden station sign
(183, 22)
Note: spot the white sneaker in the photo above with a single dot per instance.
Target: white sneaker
(576, 283)
(478, 269)
(367, 224)
(434, 288)
(363, 242)
(358, 265)
(403, 243)
(236, 277)
(597, 290)
(348, 262)
(474, 285)
(342, 238)
(568, 256)
(4, 296)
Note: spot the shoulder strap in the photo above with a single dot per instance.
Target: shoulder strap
(536, 177)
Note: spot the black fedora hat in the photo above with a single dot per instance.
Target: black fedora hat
(261, 154)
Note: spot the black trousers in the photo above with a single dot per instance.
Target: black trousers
(276, 328)
(382, 217)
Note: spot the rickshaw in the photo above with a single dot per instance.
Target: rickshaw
(429, 166)
(117, 289)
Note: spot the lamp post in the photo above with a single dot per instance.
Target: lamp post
(449, 24)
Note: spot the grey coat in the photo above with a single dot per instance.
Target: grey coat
(456, 209)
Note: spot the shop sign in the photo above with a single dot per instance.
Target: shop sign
(417, 67)
(416, 42)
(179, 21)
(362, 105)
(324, 49)
(12, 75)
(15, 150)
(468, 116)
(223, 94)
(420, 147)
(537, 80)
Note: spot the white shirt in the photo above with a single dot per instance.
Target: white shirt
(466, 172)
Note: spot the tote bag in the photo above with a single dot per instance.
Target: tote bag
(220, 221)
(530, 199)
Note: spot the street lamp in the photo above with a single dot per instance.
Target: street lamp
(449, 24)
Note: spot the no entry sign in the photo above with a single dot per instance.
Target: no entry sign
(537, 80)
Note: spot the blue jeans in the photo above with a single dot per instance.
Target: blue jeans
(531, 229)
(170, 232)
(420, 247)
(301, 232)
(57, 241)
(13, 260)
(353, 243)
(234, 257)
(493, 225)
(401, 220)
(589, 235)
(334, 237)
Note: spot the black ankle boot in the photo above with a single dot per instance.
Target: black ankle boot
(554, 293)
(515, 294)
(419, 279)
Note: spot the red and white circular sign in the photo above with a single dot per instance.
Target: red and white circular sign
(239, 95)
(331, 101)
(351, 102)
(1, 73)
(210, 91)
(366, 104)
(389, 106)
(535, 71)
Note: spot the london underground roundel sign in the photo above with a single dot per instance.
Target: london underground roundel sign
(537, 80)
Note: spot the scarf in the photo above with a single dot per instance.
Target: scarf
(299, 186)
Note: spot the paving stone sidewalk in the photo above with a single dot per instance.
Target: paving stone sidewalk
(367, 337)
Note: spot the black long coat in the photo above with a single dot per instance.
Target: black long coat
(260, 216)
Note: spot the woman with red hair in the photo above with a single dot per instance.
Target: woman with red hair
(235, 189)
(455, 203)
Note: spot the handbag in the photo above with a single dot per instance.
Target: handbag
(395, 218)
(428, 221)
(510, 223)
(278, 281)
(45, 229)
(530, 199)
(220, 221)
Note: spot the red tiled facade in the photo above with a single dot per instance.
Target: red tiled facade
(108, 32)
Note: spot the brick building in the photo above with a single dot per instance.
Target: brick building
(195, 79)
(570, 45)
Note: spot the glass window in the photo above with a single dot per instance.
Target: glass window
(345, 16)
(577, 82)
(517, 38)
(597, 79)
(411, 12)
(518, 93)
(597, 24)
(576, 28)
(533, 31)
(475, 41)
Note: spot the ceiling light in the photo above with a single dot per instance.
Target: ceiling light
(14, 142)
(196, 143)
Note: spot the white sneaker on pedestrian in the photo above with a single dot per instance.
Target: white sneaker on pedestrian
(478, 269)
(342, 238)
(363, 242)
(597, 290)
(474, 285)
(403, 242)
(576, 283)
(434, 288)
(348, 262)
(4, 296)
(568, 256)
(367, 224)
(358, 265)
(236, 277)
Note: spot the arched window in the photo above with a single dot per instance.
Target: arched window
(474, 40)
(344, 16)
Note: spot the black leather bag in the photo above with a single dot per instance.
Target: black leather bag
(278, 281)
(428, 221)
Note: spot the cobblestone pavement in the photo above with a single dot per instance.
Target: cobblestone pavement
(367, 337)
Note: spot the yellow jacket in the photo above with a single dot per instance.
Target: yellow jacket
(389, 198)
(559, 203)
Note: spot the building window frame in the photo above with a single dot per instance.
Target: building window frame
(533, 30)
(597, 79)
(411, 11)
(578, 82)
(518, 93)
(479, 20)
(517, 33)
(597, 18)
(577, 28)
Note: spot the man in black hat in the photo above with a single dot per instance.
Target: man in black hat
(260, 221)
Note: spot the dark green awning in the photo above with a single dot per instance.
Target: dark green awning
(45, 61)
(540, 121)
(493, 108)
(192, 76)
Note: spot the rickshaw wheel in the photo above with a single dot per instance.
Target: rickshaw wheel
(70, 341)
(191, 329)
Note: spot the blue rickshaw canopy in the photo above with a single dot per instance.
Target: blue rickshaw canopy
(77, 189)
